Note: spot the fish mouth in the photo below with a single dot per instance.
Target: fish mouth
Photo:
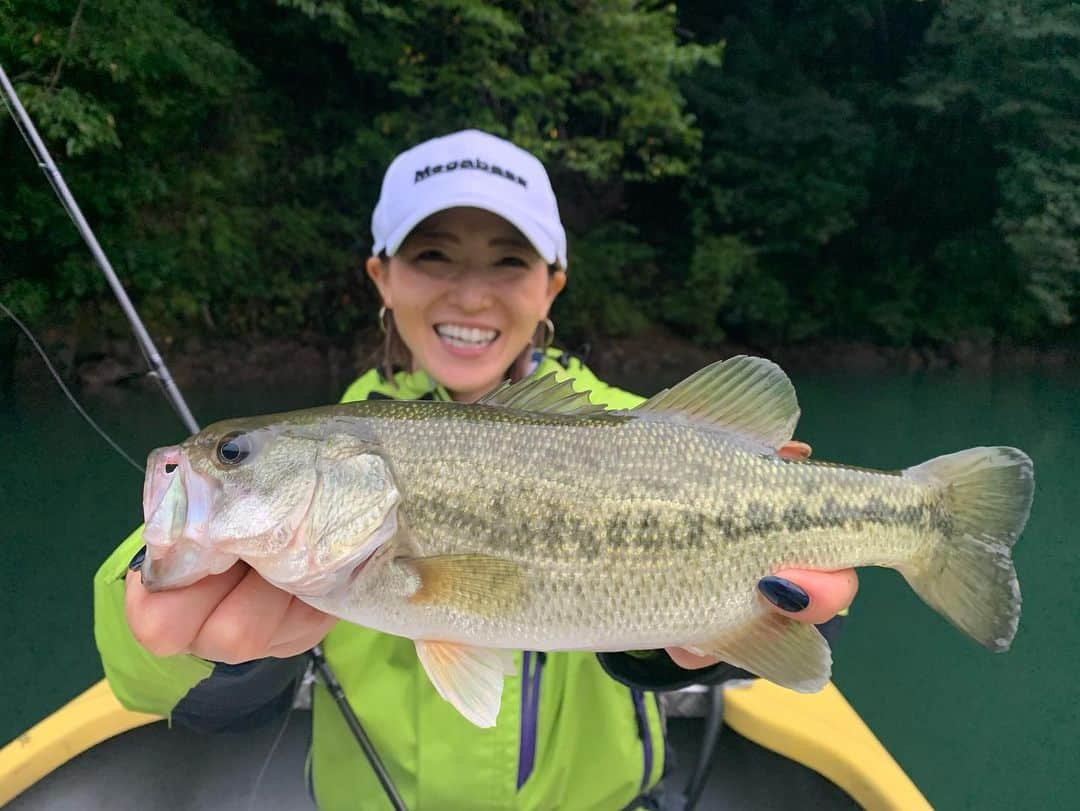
(177, 505)
(177, 501)
(160, 472)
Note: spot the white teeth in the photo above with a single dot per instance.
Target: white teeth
(467, 336)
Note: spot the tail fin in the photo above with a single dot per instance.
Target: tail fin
(969, 576)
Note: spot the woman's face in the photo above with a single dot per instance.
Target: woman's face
(467, 291)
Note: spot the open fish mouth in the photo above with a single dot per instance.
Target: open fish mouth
(177, 505)
(177, 501)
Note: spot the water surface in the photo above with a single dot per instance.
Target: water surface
(973, 729)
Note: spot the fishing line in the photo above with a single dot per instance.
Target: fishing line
(159, 370)
(44, 160)
(714, 723)
(273, 748)
(56, 376)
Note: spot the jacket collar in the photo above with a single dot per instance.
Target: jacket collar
(419, 385)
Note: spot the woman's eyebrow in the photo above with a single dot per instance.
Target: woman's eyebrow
(446, 236)
(512, 242)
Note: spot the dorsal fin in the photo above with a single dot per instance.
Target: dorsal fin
(749, 397)
(545, 395)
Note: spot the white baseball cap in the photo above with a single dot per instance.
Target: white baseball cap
(475, 169)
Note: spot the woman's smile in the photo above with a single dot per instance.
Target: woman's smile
(464, 340)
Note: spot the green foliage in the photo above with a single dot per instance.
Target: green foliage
(1015, 67)
(903, 173)
(724, 285)
(611, 284)
(232, 187)
(895, 171)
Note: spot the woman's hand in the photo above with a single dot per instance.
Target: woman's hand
(231, 617)
(823, 594)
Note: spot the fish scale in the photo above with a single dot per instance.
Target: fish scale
(693, 525)
(534, 519)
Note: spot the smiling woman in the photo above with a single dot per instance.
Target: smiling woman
(468, 264)
(466, 292)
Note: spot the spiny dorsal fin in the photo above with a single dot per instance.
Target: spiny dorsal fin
(749, 397)
(546, 395)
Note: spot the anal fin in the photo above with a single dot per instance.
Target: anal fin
(470, 678)
(789, 653)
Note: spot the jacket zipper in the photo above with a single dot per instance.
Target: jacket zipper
(532, 666)
(646, 737)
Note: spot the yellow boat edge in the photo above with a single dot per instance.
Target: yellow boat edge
(823, 732)
(85, 721)
(819, 730)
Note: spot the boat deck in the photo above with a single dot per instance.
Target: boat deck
(153, 767)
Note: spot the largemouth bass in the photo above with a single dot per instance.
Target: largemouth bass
(537, 520)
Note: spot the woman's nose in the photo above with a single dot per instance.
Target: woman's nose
(473, 291)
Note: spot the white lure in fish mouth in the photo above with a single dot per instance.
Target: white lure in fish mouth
(177, 505)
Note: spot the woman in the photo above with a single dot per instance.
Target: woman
(470, 256)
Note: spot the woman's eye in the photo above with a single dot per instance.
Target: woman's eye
(432, 256)
(513, 262)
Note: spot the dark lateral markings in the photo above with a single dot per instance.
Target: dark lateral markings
(627, 529)
(763, 518)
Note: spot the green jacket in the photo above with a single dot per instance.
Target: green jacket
(569, 736)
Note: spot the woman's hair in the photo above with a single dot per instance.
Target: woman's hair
(395, 355)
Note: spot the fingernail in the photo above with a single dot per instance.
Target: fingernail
(137, 561)
(784, 594)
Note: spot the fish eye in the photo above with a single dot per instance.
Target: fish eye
(233, 449)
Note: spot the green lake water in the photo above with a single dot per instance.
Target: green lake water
(973, 729)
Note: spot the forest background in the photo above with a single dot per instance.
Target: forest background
(887, 172)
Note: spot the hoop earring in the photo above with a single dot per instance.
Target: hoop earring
(548, 327)
(385, 317)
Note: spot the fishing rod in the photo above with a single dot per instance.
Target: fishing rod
(45, 162)
(159, 370)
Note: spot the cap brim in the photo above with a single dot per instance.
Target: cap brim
(540, 239)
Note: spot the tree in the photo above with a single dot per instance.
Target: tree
(233, 187)
(1014, 69)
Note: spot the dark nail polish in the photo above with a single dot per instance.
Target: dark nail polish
(784, 594)
(137, 561)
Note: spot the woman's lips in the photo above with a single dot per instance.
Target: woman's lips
(464, 340)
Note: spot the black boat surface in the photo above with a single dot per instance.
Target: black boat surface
(777, 749)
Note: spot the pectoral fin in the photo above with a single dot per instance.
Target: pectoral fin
(789, 653)
(478, 584)
(471, 679)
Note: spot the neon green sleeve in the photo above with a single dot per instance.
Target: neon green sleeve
(140, 680)
(601, 392)
(361, 387)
